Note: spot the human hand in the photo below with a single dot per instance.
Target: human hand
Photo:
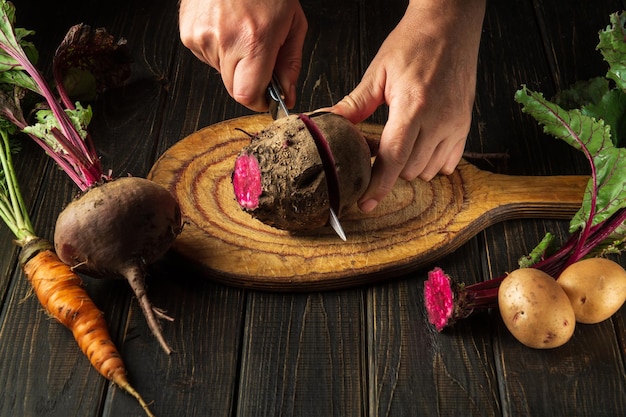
(246, 41)
(426, 72)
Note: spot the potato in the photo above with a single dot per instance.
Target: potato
(535, 309)
(596, 288)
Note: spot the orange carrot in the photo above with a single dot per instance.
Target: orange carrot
(57, 287)
(61, 293)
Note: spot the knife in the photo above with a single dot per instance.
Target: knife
(278, 109)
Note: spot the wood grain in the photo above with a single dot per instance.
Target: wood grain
(416, 225)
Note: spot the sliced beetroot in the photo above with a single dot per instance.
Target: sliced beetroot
(328, 161)
(292, 179)
(351, 156)
(301, 176)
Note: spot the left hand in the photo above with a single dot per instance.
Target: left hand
(426, 72)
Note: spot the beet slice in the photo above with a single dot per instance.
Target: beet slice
(328, 161)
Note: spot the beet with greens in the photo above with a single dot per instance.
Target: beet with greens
(117, 226)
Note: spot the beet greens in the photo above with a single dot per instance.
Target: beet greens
(61, 125)
(141, 219)
(591, 117)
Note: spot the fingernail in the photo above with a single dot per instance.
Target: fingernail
(368, 205)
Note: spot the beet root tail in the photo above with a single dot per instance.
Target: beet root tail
(135, 276)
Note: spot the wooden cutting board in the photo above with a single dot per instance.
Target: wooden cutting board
(416, 225)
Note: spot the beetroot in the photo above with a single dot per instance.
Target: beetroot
(117, 226)
(297, 168)
(116, 229)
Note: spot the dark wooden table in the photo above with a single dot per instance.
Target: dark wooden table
(365, 351)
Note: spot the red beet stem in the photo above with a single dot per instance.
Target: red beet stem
(328, 161)
(247, 181)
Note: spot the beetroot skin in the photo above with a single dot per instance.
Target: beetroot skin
(280, 177)
(118, 228)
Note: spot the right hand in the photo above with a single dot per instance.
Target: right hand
(246, 41)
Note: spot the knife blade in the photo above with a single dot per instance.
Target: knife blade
(278, 109)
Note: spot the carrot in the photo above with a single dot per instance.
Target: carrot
(116, 227)
(57, 287)
(62, 295)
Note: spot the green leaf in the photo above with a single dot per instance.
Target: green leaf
(582, 93)
(610, 164)
(80, 117)
(19, 78)
(8, 35)
(572, 126)
(593, 137)
(614, 244)
(28, 47)
(612, 109)
(595, 98)
(612, 45)
(8, 63)
(47, 122)
(11, 71)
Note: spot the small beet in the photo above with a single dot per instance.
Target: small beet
(297, 168)
(116, 229)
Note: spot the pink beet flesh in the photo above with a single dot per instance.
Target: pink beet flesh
(247, 181)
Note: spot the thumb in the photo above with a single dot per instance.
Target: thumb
(361, 102)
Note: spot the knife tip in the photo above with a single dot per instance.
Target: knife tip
(334, 222)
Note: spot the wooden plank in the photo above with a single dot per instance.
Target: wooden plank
(303, 353)
(137, 121)
(559, 381)
(42, 363)
(331, 62)
(200, 377)
(511, 55)
(126, 120)
(570, 42)
(414, 370)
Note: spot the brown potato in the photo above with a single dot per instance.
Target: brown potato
(596, 288)
(535, 309)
